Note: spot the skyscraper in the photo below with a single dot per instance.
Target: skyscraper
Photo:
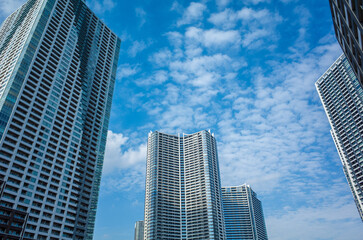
(183, 192)
(348, 18)
(243, 214)
(342, 98)
(57, 70)
(139, 230)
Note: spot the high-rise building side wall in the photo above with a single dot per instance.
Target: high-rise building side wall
(162, 208)
(15, 55)
(201, 165)
(342, 98)
(243, 214)
(151, 187)
(139, 230)
(197, 190)
(261, 231)
(54, 112)
(348, 18)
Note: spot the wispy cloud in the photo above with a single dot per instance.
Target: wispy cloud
(141, 14)
(203, 71)
(258, 26)
(158, 77)
(248, 16)
(325, 222)
(101, 6)
(226, 19)
(124, 165)
(126, 70)
(254, 2)
(284, 122)
(214, 38)
(137, 47)
(192, 14)
(222, 3)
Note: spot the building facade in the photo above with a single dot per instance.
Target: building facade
(348, 18)
(243, 214)
(57, 70)
(342, 98)
(139, 230)
(183, 193)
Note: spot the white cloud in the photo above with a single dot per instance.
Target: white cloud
(266, 136)
(161, 58)
(226, 19)
(140, 13)
(117, 159)
(248, 14)
(176, 6)
(192, 14)
(254, 2)
(137, 47)
(126, 70)
(101, 6)
(203, 71)
(213, 38)
(113, 151)
(131, 180)
(175, 38)
(158, 77)
(258, 26)
(251, 39)
(331, 221)
(217, 38)
(222, 3)
(288, 1)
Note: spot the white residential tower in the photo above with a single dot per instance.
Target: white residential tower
(183, 191)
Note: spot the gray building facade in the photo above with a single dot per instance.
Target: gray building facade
(348, 18)
(139, 230)
(243, 214)
(342, 98)
(57, 70)
(183, 193)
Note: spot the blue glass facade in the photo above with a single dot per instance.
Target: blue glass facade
(243, 214)
(347, 19)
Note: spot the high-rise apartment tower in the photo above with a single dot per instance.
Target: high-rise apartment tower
(342, 98)
(57, 70)
(243, 214)
(183, 192)
(139, 230)
(348, 18)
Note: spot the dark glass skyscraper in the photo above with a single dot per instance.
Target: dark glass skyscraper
(243, 214)
(342, 98)
(57, 70)
(183, 192)
(348, 18)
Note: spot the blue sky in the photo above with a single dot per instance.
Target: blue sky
(246, 70)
